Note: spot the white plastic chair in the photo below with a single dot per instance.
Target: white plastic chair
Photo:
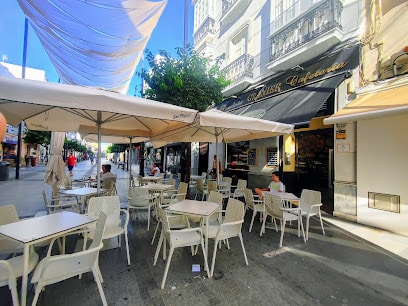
(60, 203)
(224, 187)
(201, 189)
(239, 191)
(229, 228)
(275, 209)
(254, 203)
(109, 184)
(110, 205)
(176, 221)
(140, 199)
(12, 268)
(54, 269)
(310, 202)
(177, 239)
(177, 195)
(8, 214)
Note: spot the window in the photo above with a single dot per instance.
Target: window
(384, 201)
(239, 44)
(285, 11)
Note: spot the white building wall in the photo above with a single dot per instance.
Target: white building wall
(382, 167)
(30, 73)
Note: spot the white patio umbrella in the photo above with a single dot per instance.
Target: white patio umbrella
(61, 107)
(117, 140)
(55, 170)
(216, 126)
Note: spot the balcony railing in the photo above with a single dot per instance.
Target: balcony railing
(314, 23)
(227, 4)
(240, 68)
(207, 28)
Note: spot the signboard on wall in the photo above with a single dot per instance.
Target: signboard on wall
(272, 157)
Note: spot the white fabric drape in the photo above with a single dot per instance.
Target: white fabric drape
(55, 171)
(95, 42)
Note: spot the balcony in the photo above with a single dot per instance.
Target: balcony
(239, 72)
(233, 9)
(205, 32)
(311, 33)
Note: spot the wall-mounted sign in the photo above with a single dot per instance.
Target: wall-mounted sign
(341, 134)
(272, 157)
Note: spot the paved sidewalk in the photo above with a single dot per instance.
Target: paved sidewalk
(26, 194)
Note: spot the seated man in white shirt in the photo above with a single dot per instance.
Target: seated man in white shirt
(106, 172)
(275, 185)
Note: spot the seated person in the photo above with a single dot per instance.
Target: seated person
(155, 171)
(275, 184)
(106, 172)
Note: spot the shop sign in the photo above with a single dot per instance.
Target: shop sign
(342, 61)
(10, 139)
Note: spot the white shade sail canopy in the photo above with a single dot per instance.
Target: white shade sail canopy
(95, 42)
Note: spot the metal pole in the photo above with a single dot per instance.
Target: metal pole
(20, 126)
(185, 25)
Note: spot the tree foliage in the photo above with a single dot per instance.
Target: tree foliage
(75, 145)
(37, 137)
(191, 80)
(116, 148)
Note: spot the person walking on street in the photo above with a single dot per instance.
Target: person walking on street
(27, 160)
(71, 162)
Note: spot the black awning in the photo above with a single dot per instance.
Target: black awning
(296, 107)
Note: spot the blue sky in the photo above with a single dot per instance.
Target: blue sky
(168, 34)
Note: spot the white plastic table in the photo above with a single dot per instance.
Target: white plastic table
(34, 230)
(158, 188)
(152, 179)
(83, 192)
(203, 209)
(285, 196)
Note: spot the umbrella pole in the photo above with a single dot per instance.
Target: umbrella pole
(217, 167)
(130, 162)
(98, 172)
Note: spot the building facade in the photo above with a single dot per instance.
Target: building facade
(370, 158)
(8, 145)
(289, 61)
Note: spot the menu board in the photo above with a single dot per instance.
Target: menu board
(272, 157)
(252, 157)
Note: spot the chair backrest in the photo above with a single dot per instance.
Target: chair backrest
(212, 186)
(273, 205)
(110, 205)
(46, 202)
(108, 182)
(139, 197)
(182, 187)
(99, 229)
(309, 197)
(172, 181)
(249, 198)
(8, 214)
(200, 185)
(215, 197)
(235, 211)
(242, 184)
(227, 180)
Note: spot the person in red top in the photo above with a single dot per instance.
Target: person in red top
(71, 162)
